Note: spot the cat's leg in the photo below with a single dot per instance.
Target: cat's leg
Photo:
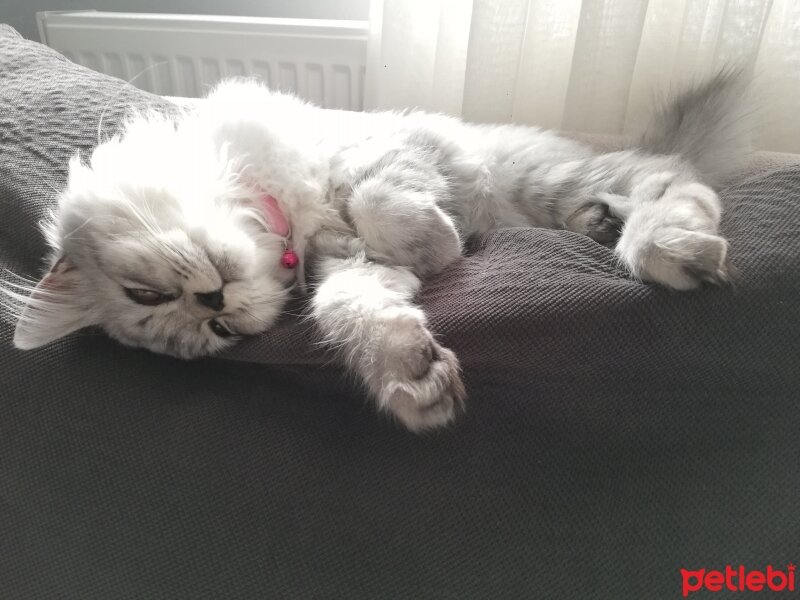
(671, 234)
(365, 313)
(401, 226)
(363, 305)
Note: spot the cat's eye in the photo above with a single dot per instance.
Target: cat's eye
(219, 329)
(147, 297)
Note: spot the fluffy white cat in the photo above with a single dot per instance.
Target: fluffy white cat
(183, 234)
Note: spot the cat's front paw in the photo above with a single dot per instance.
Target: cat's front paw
(430, 401)
(419, 381)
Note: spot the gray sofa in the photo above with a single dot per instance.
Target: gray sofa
(615, 432)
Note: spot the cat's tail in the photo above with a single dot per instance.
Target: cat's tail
(710, 124)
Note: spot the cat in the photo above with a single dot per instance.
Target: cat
(183, 234)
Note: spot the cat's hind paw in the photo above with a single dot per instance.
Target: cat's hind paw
(683, 259)
(673, 240)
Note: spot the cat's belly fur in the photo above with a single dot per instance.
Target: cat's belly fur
(412, 188)
(482, 176)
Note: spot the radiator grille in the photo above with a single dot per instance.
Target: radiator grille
(183, 55)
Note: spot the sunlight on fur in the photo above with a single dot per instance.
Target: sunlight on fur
(181, 235)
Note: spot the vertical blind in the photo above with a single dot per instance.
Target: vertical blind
(580, 65)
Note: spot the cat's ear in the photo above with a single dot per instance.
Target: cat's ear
(57, 306)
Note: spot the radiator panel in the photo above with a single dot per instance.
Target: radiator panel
(184, 55)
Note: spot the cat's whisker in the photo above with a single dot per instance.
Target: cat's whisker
(79, 227)
(51, 186)
(116, 95)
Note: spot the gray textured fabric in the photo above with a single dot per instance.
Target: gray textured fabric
(552, 306)
(615, 432)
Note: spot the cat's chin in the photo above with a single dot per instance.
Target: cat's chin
(179, 351)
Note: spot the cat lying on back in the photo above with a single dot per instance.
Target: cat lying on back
(183, 234)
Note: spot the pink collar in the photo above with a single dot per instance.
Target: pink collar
(276, 220)
(279, 225)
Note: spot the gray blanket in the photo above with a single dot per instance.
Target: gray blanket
(615, 431)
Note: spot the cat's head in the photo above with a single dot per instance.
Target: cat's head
(158, 242)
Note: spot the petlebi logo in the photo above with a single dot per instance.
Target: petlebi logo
(738, 579)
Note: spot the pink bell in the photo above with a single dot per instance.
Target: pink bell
(289, 259)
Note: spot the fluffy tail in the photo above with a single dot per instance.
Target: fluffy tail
(711, 125)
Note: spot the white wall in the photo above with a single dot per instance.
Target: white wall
(21, 14)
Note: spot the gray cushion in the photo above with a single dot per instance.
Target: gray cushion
(615, 432)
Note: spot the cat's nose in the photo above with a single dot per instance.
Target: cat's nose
(213, 300)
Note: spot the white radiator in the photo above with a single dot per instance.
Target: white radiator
(183, 55)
